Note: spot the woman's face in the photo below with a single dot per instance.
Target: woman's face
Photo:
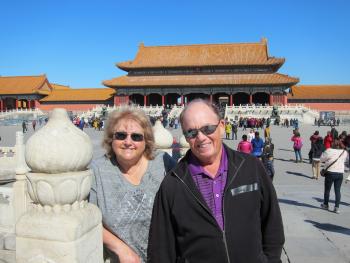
(126, 149)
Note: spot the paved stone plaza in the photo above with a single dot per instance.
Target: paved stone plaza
(312, 234)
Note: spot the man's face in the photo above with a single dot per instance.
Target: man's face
(205, 147)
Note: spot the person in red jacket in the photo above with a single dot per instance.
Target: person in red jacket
(245, 146)
(328, 140)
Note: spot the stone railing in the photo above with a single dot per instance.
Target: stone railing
(14, 199)
(9, 113)
(175, 111)
(153, 111)
(299, 112)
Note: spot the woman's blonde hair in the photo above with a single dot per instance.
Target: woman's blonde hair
(128, 113)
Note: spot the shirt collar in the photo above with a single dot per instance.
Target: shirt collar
(196, 168)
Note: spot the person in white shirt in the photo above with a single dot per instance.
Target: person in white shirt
(251, 135)
(334, 159)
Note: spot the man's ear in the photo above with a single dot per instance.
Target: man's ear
(222, 127)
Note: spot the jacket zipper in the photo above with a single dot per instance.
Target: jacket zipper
(222, 231)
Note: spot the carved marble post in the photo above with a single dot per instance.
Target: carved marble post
(62, 227)
(184, 146)
(163, 138)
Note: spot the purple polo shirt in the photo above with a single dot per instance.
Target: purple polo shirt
(212, 189)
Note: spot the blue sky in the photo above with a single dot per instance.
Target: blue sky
(78, 43)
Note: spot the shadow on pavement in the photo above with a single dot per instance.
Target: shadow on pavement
(330, 201)
(299, 174)
(330, 227)
(284, 160)
(296, 203)
(286, 150)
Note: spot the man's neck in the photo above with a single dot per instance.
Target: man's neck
(212, 167)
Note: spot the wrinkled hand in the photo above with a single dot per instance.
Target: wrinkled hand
(127, 255)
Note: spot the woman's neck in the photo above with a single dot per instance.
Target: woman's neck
(134, 172)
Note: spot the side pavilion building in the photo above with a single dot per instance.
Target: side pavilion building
(29, 92)
(224, 73)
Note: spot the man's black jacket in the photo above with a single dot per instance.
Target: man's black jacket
(183, 228)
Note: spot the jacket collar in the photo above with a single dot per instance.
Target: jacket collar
(235, 162)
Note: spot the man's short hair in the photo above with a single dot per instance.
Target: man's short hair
(211, 106)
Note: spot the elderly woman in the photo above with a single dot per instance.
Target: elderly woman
(125, 182)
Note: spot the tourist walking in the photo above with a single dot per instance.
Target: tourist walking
(228, 129)
(317, 148)
(267, 157)
(244, 146)
(334, 159)
(328, 140)
(24, 126)
(234, 130)
(176, 123)
(334, 133)
(258, 145)
(125, 183)
(251, 135)
(34, 124)
(217, 205)
(313, 139)
(267, 132)
(297, 145)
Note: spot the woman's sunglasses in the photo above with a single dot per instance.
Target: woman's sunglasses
(121, 136)
(206, 130)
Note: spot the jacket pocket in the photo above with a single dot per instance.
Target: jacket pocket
(244, 189)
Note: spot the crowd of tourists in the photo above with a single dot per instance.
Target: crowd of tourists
(332, 151)
(93, 122)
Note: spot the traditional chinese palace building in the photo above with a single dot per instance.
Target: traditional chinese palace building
(166, 75)
(26, 92)
(233, 73)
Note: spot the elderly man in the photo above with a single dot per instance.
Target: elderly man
(216, 205)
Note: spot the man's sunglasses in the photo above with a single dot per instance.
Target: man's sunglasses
(206, 130)
(121, 136)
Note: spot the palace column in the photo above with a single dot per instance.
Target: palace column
(182, 100)
(211, 98)
(285, 99)
(250, 98)
(144, 100)
(163, 100)
(231, 99)
(29, 106)
(36, 104)
(1, 105)
(16, 101)
(271, 99)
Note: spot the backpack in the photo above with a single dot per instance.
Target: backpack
(298, 144)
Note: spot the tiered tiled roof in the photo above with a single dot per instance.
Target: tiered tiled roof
(59, 87)
(201, 80)
(25, 85)
(326, 92)
(80, 95)
(232, 54)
